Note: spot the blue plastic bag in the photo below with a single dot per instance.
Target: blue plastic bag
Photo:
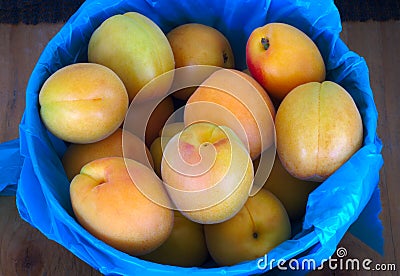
(43, 188)
(10, 167)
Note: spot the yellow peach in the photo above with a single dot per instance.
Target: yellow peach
(260, 225)
(291, 191)
(186, 246)
(156, 148)
(318, 128)
(83, 103)
(135, 48)
(208, 172)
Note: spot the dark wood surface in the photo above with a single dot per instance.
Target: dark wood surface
(25, 251)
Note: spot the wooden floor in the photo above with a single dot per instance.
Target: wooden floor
(25, 251)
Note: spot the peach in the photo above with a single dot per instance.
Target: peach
(135, 48)
(291, 191)
(170, 129)
(157, 119)
(156, 154)
(318, 128)
(198, 44)
(280, 57)
(261, 225)
(78, 155)
(208, 172)
(108, 204)
(234, 99)
(83, 103)
(186, 246)
(156, 148)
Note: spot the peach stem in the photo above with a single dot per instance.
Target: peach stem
(265, 43)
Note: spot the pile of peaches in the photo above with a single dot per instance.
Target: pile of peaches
(226, 181)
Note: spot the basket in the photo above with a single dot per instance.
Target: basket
(43, 188)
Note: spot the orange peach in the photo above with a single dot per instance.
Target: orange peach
(261, 225)
(280, 57)
(108, 204)
(186, 246)
(198, 44)
(78, 155)
(83, 103)
(318, 128)
(234, 99)
(208, 172)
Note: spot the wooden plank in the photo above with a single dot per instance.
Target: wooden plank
(6, 85)
(389, 105)
(20, 47)
(26, 251)
(376, 42)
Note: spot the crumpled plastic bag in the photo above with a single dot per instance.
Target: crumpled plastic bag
(10, 166)
(43, 188)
